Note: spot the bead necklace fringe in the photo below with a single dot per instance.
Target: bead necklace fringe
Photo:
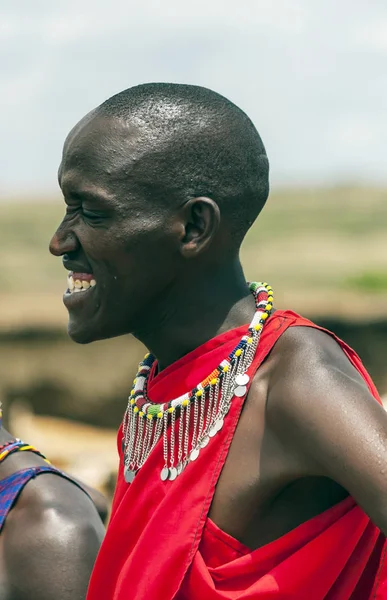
(200, 412)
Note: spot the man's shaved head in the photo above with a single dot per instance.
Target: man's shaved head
(193, 142)
(161, 183)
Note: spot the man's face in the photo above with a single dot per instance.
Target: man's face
(121, 249)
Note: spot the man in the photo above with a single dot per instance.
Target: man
(50, 528)
(161, 183)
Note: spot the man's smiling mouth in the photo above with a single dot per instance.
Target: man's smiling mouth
(80, 282)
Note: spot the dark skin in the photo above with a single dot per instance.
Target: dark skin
(52, 523)
(310, 432)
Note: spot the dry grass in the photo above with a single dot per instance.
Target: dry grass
(314, 246)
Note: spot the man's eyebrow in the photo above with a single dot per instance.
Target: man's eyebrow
(84, 194)
(92, 196)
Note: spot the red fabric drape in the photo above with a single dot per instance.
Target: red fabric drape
(160, 544)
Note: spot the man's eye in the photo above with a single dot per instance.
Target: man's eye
(71, 211)
(92, 216)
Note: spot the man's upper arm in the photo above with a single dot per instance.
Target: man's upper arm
(50, 553)
(322, 410)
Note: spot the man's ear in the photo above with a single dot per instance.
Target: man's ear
(202, 220)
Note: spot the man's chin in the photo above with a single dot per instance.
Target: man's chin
(85, 334)
(80, 336)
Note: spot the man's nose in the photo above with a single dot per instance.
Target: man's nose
(63, 242)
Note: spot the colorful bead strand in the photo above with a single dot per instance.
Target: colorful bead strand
(209, 400)
(18, 446)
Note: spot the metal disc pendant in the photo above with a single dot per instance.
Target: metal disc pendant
(219, 424)
(129, 475)
(204, 441)
(172, 473)
(242, 379)
(213, 431)
(164, 474)
(194, 454)
(180, 468)
(240, 391)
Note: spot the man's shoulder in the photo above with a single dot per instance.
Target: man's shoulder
(54, 490)
(53, 523)
(52, 502)
(307, 346)
(310, 374)
(303, 353)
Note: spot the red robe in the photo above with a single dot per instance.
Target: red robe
(160, 544)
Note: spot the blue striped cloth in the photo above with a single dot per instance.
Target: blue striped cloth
(12, 486)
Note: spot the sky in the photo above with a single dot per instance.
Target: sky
(311, 74)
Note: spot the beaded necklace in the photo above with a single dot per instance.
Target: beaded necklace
(201, 411)
(16, 445)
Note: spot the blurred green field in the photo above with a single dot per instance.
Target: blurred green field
(323, 250)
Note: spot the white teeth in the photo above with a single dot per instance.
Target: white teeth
(79, 285)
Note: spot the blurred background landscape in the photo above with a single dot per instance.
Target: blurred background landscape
(315, 87)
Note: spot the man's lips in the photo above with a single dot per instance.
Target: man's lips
(80, 282)
(80, 289)
(81, 276)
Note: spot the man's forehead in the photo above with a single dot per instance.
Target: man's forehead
(98, 130)
(75, 183)
(99, 143)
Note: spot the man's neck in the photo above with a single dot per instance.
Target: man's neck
(197, 310)
(5, 436)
